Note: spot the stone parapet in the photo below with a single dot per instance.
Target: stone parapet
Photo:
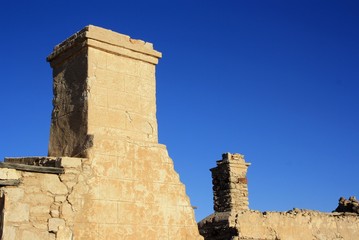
(295, 224)
(105, 40)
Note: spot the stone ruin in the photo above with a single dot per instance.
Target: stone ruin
(107, 177)
(232, 219)
(349, 206)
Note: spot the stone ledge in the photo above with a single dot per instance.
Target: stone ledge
(36, 161)
(31, 168)
(109, 41)
(9, 182)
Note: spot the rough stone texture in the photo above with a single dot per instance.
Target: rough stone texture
(232, 220)
(230, 190)
(29, 207)
(291, 225)
(350, 205)
(116, 180)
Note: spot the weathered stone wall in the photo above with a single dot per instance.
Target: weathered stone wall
(38, 201)
(291, 225)
(105, 112)
(229, 221)
(230, 190)
(296, 225)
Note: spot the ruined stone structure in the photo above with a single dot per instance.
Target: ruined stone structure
(106, 175)
(230, 189)
(233, 220)
(350, 205)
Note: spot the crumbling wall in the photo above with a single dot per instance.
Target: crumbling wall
(229, 221)
(230, 189)
(38, 194)
(296, 225)
(105, 112)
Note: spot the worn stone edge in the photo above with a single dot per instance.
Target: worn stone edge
(35, 161)
(105, 37)
(9, 182)
(30, 168)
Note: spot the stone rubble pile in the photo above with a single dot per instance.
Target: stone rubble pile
(348, 205)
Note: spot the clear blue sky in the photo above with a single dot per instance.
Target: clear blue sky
(277, 81)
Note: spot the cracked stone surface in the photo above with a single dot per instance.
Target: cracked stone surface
(118, 182)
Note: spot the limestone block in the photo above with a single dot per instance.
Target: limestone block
(117, 189)
(128, 231)
(108, 146)
(60, 198)
(7, 173)
(55, 223)
(116, 119)
(64, 233)
(109, 231)
(86, 231)
(9, 232)
(55, 213)
(103, 82)
(67, 212)
(39, 213)
(69, 179)
(125, 168)
(16, 212)
(38, 198)
(130, 213)
(85, 186)
(119, 101)
(147, 105)
(98, 211)
(52, 184)
(140, 124)
(132, 104)
(68, 162)
(39, 235)
(14, 193)
(101, 100)
(136, 85)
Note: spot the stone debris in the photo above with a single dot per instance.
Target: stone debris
(350, 205)
(233, 219)
(229, 180)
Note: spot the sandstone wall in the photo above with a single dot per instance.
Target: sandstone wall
(105, 112)
(231, 220)
(39, 199)
(230, 190)
(296, 225)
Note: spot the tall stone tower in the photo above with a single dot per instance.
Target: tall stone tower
(104, 93)
(105, 111)
(230, 190)
(106, 175)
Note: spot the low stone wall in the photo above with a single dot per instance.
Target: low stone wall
(292, 225)
(37, 197)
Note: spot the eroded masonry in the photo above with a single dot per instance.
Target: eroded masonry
(106, 176)
(233, 220)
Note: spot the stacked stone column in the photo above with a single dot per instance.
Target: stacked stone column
(230, 189)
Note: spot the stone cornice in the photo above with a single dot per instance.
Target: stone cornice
(105, 40)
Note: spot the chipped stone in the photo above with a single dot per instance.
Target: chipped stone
(55, 223)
